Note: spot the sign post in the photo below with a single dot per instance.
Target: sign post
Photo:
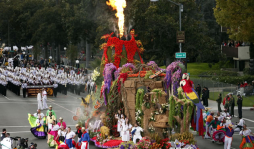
(180, 55)
(180, 37)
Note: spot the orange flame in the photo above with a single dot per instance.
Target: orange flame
(119, 6)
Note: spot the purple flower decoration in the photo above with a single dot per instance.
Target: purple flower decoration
(107, 73)
(173, 76)
(127, 65)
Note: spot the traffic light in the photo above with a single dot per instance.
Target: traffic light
(251, 64)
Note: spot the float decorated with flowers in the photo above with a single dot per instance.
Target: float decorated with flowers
(162, 102)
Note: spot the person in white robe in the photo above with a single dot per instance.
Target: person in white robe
(39, 100)
(44, 96)
(126, 130)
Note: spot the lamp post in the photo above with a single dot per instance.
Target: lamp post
(77, 63)
(180, 20)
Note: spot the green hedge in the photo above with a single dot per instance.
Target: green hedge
(233, 79)
(218, 73)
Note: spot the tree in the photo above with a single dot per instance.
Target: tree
(238, 16)
(72, 53)
(157, 23)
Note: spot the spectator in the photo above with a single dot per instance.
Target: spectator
(219, 102)
(232, 104)
(198, 90)
(237, 45)
(239, 104)
(42, 62)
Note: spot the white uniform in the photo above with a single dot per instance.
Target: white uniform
(36, 115)
(137, 134)
(126, 132)
(39, 101)
(6, 143)
(245, 132)
(45, 106)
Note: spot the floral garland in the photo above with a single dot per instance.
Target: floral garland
(158, 93)
(152, 117)
(151, 129)
(107, 73)
(124, 77)
(139, 98)
(138, 116)
(174, 75)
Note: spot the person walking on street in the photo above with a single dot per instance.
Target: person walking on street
(198, 90)
(205, 96)
(232, 103)
(240, 105)
(219, 102)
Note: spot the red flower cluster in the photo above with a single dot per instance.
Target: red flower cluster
(131, 48)
(123, 76)
(113, 143)
(165, 143)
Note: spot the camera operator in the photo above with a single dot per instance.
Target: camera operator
(33, 146)
(3, 134)
(22, 143)
(6, 142)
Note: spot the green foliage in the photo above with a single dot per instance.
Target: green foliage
(139, 98)
(95, 63)
(218, 73)
(148, 74)
(234, 79)
(157, 24)
(171, 111)
(237, 16)
(72, 53)
(158, 93)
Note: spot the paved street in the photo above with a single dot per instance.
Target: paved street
(14, 111)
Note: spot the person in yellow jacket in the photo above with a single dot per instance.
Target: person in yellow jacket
(49, 120)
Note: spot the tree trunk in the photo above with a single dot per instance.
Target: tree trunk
(87, 54)
(180, 121)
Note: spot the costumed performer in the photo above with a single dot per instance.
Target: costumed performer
(126, 130)
(208, 121)
(61, 134)
(52, 135)
(69, 138)
(214, 124)
(61, 145)
(38, 131)
(248, 140)
(61, 123)
(44, 97)
(136, 133)
(51, 110)
(78, 132)
(122, 120)
(239, 126)
(39, 101)
(49, 120)
(84, 139)
(118, 117)
(228, 136)
(33, 117)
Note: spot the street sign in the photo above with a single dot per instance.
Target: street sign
(180, 37)
(180, 55)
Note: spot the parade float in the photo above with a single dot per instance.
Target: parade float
(161, 101)
(146, 94)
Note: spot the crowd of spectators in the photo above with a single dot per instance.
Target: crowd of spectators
(236, 44)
